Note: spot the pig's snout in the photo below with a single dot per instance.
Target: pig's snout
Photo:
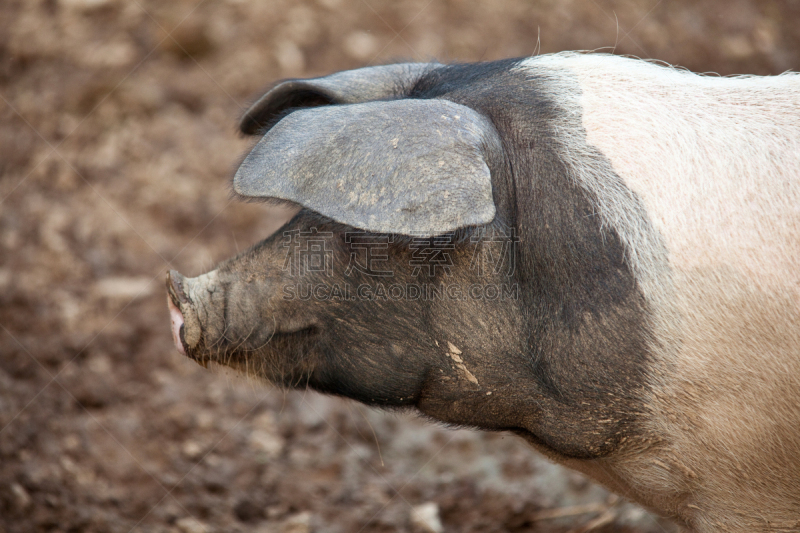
(194, 309)
(185, 323)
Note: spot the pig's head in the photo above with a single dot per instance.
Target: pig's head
(394, 195)
(397, 283)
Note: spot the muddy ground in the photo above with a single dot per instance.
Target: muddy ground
(117, 141)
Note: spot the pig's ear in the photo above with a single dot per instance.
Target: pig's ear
(414, 167)
(348, 87)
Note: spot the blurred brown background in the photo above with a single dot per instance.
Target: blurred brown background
(117, 141)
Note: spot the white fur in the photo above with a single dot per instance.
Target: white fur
(715, 164)
(714, 159)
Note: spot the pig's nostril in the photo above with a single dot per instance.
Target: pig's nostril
(176, 317)
(176, 297)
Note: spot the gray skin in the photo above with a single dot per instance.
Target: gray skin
(560, 358)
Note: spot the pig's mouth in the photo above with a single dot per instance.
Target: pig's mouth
(179, 304)
(202, 332)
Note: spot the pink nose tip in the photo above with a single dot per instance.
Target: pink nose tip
(177, 321)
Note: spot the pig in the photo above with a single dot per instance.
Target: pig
(596, 253)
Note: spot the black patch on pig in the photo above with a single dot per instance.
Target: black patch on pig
(586, 338)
